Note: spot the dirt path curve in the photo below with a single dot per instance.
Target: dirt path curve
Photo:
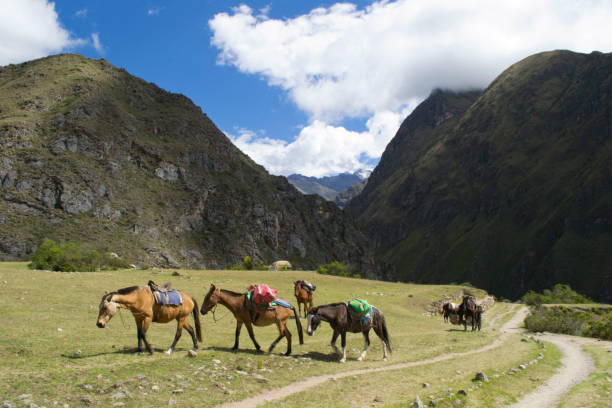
(511, 326)
(577, 366)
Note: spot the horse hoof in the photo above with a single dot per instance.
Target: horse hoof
(343, 360)
(384, 358)
(168, 352)
(360, 358)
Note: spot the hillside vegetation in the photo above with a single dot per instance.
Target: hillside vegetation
(91, 154)
(509, 189)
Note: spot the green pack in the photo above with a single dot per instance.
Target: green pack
(360, 306)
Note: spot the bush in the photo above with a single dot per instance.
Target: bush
(70, 257)
(568, 321)
(248, 263)
(337, 269)
(560, 293)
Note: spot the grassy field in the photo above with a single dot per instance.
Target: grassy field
(54, 355)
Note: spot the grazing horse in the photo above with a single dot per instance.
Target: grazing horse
(304, 295)
(342, 319)
(237, 304)
(141, 302)
(448, 309)
(280, 264)
(469, 307)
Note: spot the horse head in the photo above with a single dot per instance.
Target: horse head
(314, 320)
(210, 300)
(108, 308)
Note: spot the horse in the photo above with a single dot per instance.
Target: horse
(141, 302)
(469, 307)
(280, 264)
(448, 309)
(303, 295)
(342, 319)
(237, 304)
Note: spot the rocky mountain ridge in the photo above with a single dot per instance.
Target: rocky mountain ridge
(92, 154)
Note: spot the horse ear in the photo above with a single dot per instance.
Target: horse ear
(105, 293)
(212, 286)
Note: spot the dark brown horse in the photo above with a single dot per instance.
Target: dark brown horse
(469, 307)
(237, 304)
(342, 319)
(304, 295)
(140, 301)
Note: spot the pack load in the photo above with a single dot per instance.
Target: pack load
(261, 294)
(308, 286)
(165, 296)
(362, 308)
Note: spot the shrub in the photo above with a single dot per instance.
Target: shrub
(337, 269)
(248, 263)
(568, 321)
(560, 293)
(69, 257)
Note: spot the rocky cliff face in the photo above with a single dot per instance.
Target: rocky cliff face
(510, 189)
(90, 153)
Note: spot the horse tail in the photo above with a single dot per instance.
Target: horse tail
(385, 334)
(298, 324)
(196, 317)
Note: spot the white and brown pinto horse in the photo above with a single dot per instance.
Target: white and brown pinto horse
(141, 302)
(342, 319)
(450, 308)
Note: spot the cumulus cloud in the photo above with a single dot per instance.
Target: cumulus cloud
(97, 44)
(321, 149)
(31, 29)
(343, 61)
(154, 11)
(81, 13)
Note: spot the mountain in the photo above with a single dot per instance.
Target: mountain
(345, 196)
(327, 187)
(509, 188)
(92, 154)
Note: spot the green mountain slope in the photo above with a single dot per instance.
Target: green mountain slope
(92, 154)
(510, 189)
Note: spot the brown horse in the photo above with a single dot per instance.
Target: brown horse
(303, 295)
(237, 304)
(470, 308)
(448, 309)
(140, 301)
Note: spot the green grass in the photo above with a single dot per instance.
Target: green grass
(82, 364)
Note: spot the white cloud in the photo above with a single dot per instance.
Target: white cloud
(31, 29)
(97, 44)
(154, 11)
(321, 149)
(342, 61)
(81, 13)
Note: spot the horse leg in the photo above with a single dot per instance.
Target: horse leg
(145, 326)
(249, 327)
(288, 336)
(343, 343)
(236, 341)
(333, 342)
(366, 344)
(177, 335)
(190, 330)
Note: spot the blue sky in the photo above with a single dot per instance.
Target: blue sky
(315, 87)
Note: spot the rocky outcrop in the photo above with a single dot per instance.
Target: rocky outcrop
(90, 153)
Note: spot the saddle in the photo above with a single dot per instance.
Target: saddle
(164, 295)
(259, 299)
(308, 286)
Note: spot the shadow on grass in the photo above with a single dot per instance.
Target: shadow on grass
(315, 355)
(230, 350)
(134, 352)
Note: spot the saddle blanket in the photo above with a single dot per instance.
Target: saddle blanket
(281, 302)
(262, 293)
(170, 298)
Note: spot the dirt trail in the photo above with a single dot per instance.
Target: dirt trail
(511, 326)
(577, 366)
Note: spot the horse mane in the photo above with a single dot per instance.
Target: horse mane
(125, 291)
(229, 292)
